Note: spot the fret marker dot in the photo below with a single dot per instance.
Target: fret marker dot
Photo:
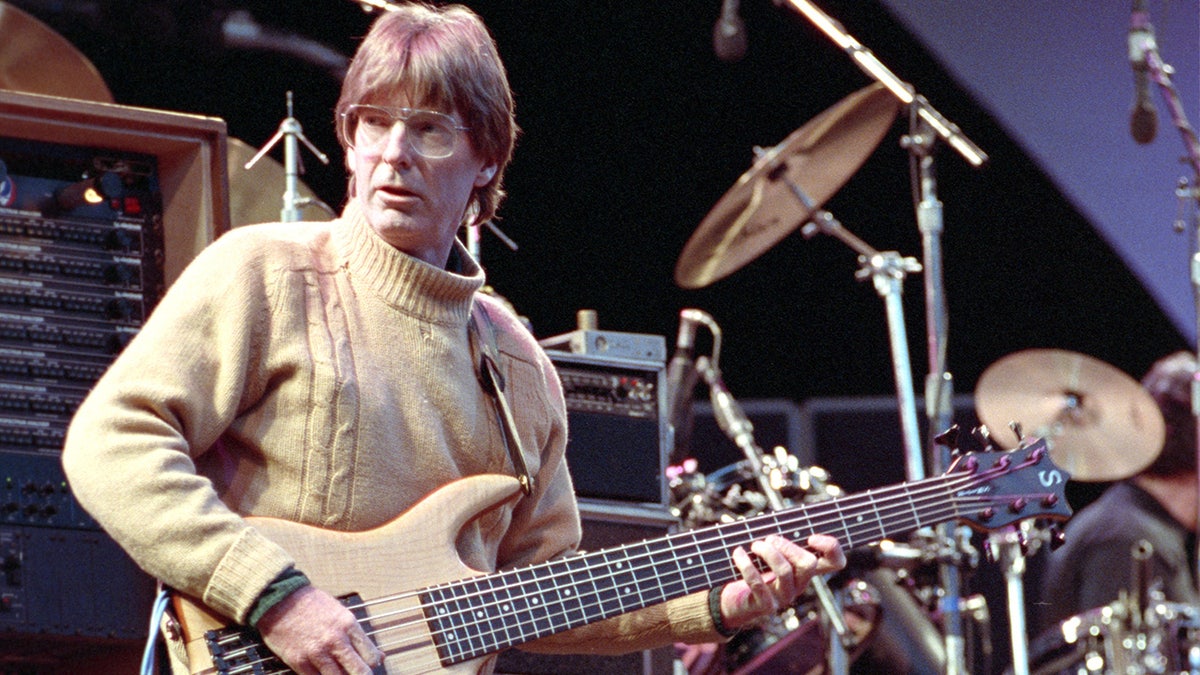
(441, 610)
(534, 601)
(567, 592)
(688, 561)
(480, 614)
(859, 518)
(627, 590)
(504, 607)
(620, 565)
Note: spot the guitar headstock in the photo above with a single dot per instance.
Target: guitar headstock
(1002, 488)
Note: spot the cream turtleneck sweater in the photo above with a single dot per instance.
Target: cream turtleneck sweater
(311, 372)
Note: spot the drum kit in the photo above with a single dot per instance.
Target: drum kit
(1100, 425)
(888, 611)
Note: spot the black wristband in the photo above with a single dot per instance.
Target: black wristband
(714, 610)
(288, 582)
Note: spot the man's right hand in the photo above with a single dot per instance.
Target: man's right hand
(314, 634)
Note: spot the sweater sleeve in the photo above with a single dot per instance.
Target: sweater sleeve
(130, 449)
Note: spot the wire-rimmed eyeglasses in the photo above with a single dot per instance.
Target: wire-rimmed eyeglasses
(429, 133)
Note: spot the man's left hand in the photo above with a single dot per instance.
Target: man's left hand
(791, 568)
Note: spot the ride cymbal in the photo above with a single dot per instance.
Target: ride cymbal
(1099, 423)
(762, 208)
(36, 60)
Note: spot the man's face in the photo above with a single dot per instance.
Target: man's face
(416, 203)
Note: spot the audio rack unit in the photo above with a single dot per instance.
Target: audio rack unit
(101, 207)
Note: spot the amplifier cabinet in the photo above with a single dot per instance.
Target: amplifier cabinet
(858, 440)
(777, 422)
(618, 434)
(606, 524)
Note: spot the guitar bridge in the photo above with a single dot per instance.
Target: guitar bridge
(240, 649)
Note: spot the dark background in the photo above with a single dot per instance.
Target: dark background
(632, 130)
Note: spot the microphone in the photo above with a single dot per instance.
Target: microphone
(730, 416)
(729, 33)
(1143, 119)
(682, 377)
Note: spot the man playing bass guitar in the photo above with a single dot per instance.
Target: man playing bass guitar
(333, 374)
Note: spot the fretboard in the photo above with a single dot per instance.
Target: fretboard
(485, 614)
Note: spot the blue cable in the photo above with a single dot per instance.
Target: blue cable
(156, 615)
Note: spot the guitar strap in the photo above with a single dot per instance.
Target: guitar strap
(483, 335)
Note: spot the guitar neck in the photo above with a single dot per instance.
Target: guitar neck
(485, 614)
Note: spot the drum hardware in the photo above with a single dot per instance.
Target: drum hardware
(767, 471)
(1100, 425)
(1140, 633)
(1143, 44)
(474, 238)
(290, 132)
(887, 270)
(761, 208)
(248, 199)
(1009, 547)
(926, 126)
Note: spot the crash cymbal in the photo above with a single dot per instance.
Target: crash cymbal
(1099, 423)
(761, 207)
(35, 59)
(256, 194)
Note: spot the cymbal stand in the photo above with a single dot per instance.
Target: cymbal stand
(888, 271)
(475, 237)
(290, 131)
(737, 426)
(929, 217)
(1010, 548)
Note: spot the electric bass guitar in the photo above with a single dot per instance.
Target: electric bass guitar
(430, 613)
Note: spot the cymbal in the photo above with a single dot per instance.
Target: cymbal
(256, 194)
(1099, 423)
(35, 59)
(761, 208)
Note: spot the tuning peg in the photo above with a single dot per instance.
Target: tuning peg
(949, 438)
(1057, 537)
(1016, 429)
(983, 436)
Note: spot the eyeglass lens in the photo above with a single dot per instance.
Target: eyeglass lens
(431, 134)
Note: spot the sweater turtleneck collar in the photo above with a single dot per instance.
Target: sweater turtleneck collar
(404, 282)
